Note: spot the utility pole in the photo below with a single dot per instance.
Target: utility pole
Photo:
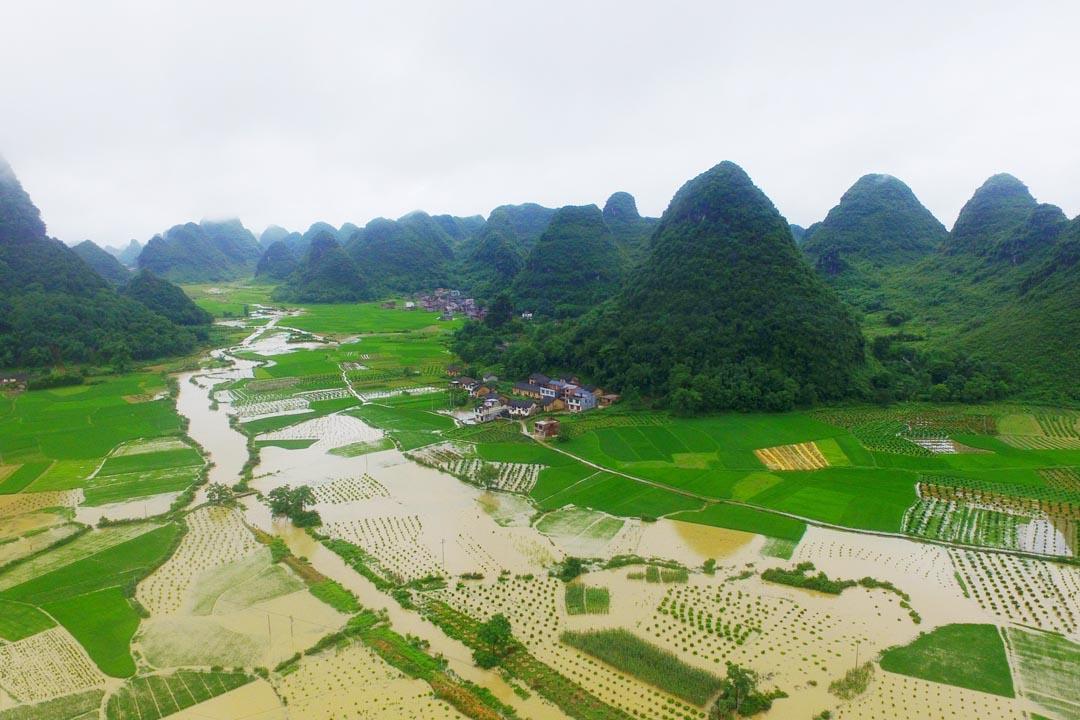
(444, 555)
(856, 654)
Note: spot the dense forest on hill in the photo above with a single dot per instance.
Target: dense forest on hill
(630, 230)
(994, 313)
(722, 313)
(101, 262)
(405, 255)
(326, 274)
(878, 225)
(55, 309)
(278, 262)
(207, 251)
(166, 299)
(573, 266)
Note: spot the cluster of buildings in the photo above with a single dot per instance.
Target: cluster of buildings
(15, 382)
(449, 302)
(538, 394)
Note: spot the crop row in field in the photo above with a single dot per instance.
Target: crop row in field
(1067, 479)
(1053, 500)
(998, 501)
(569, 696)
(350, 489)
(1060, 425)
(149, 697)
(951, 522)
(1041, 442)
(85, 705)
(46, 665)
(800, 456)
(582, 599)
(587, 422)
(1046, 666)
(1030, 592)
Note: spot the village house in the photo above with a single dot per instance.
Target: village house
(546, 428)
(489, 378)
(607, 400)
(464, 383)
(13, 381)
(528, 390)
(453, 370)
(523, 408)
(484, 391)
(580, 401)
(539, 379)
(491, 409)
(552, 404)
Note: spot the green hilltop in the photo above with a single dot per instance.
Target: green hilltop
(879, 224)
(722, 313)
(991, 312)
(207, 251)
(166, 299)
(573, 267)
(101, 262)
(278, 262)
(326, 274)
(405, 255)
(630, 230)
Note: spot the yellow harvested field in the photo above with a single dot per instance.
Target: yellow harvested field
(354, 682)
(30, 502)
(216, 536)
(801, 456)
(45, 666)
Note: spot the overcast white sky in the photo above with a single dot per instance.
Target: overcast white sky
(123, 118)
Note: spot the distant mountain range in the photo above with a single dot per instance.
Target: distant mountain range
(988, 309)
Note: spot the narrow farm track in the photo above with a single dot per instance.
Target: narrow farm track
(809, 521)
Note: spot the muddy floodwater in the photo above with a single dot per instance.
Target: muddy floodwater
(414, 521)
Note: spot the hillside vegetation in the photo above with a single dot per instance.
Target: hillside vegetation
(573, 266)
(327, 274)
(101, 262)
(55, 308)
(208, 251)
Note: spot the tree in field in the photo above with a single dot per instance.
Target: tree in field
(291, 502)
(571, 568)
(739, 694)
(218, 494)
(487, 475)
(497, 640)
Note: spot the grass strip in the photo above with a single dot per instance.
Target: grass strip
(627, 652)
